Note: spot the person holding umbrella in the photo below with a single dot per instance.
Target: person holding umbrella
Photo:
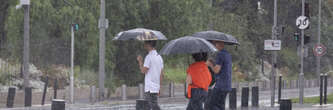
(198, 79)
(152, 68)
(222, 70)
(198, 76)
(222, 67)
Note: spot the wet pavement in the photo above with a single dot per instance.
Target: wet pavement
(180, 103)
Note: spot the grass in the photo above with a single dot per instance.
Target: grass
(314, 100)
(176, 74)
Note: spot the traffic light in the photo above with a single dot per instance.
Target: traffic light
(296, 36)
(298, 39)
(76, 27)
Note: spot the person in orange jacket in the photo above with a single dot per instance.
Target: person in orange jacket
(198, 79)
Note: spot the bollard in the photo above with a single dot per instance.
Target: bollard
(185, 90)
(321, 90)
(123, 92)
(279, 89)
(27, 97)
(171, 90)
(58, 104)
(325, 88)
(45, 90)
(141, 91)
(141, 104)
(255, 96)
(55, 87)
(285, 104)
(245, 97)
(11, 97)
(233, 99)
(92, 94)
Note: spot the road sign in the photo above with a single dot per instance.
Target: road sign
(302, 22)
(319, 50)
(25, 2)
(272, 45)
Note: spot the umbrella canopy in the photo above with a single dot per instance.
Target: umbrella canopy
(187, 45)
(140, 34)
(217, 36)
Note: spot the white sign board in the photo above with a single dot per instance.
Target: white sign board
(25, 2)
(22, 2)
(302, 22)
(272, 45)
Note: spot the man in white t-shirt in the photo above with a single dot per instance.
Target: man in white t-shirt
(152, 67)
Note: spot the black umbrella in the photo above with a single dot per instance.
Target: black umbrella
(187, 45)
(140, 34)
(217, 36)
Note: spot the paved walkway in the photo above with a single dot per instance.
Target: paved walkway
(179, 103)
(165, 107)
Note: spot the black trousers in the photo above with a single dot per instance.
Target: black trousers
(151, 98)
(197, 100)
(217, 100)
(208, 99)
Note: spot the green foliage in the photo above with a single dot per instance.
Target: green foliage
(314, 100)
(4, 77)
(175, 74)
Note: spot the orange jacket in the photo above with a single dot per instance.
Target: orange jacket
(200, 75)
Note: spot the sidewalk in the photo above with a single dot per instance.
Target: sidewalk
(165, 104)
(179, 103)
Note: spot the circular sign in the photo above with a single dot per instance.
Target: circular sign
(302, 22)
(319, 50)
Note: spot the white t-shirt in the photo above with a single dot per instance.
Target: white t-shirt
(154, 63)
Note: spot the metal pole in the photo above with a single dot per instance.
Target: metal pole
(26, 48)
(45, 90)
(301, 75)
(325, 88)
(280, 87)
(211, 25)
(102, 28)
(318, 41)
(274, 33)
(72, 67)
(321, 90)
